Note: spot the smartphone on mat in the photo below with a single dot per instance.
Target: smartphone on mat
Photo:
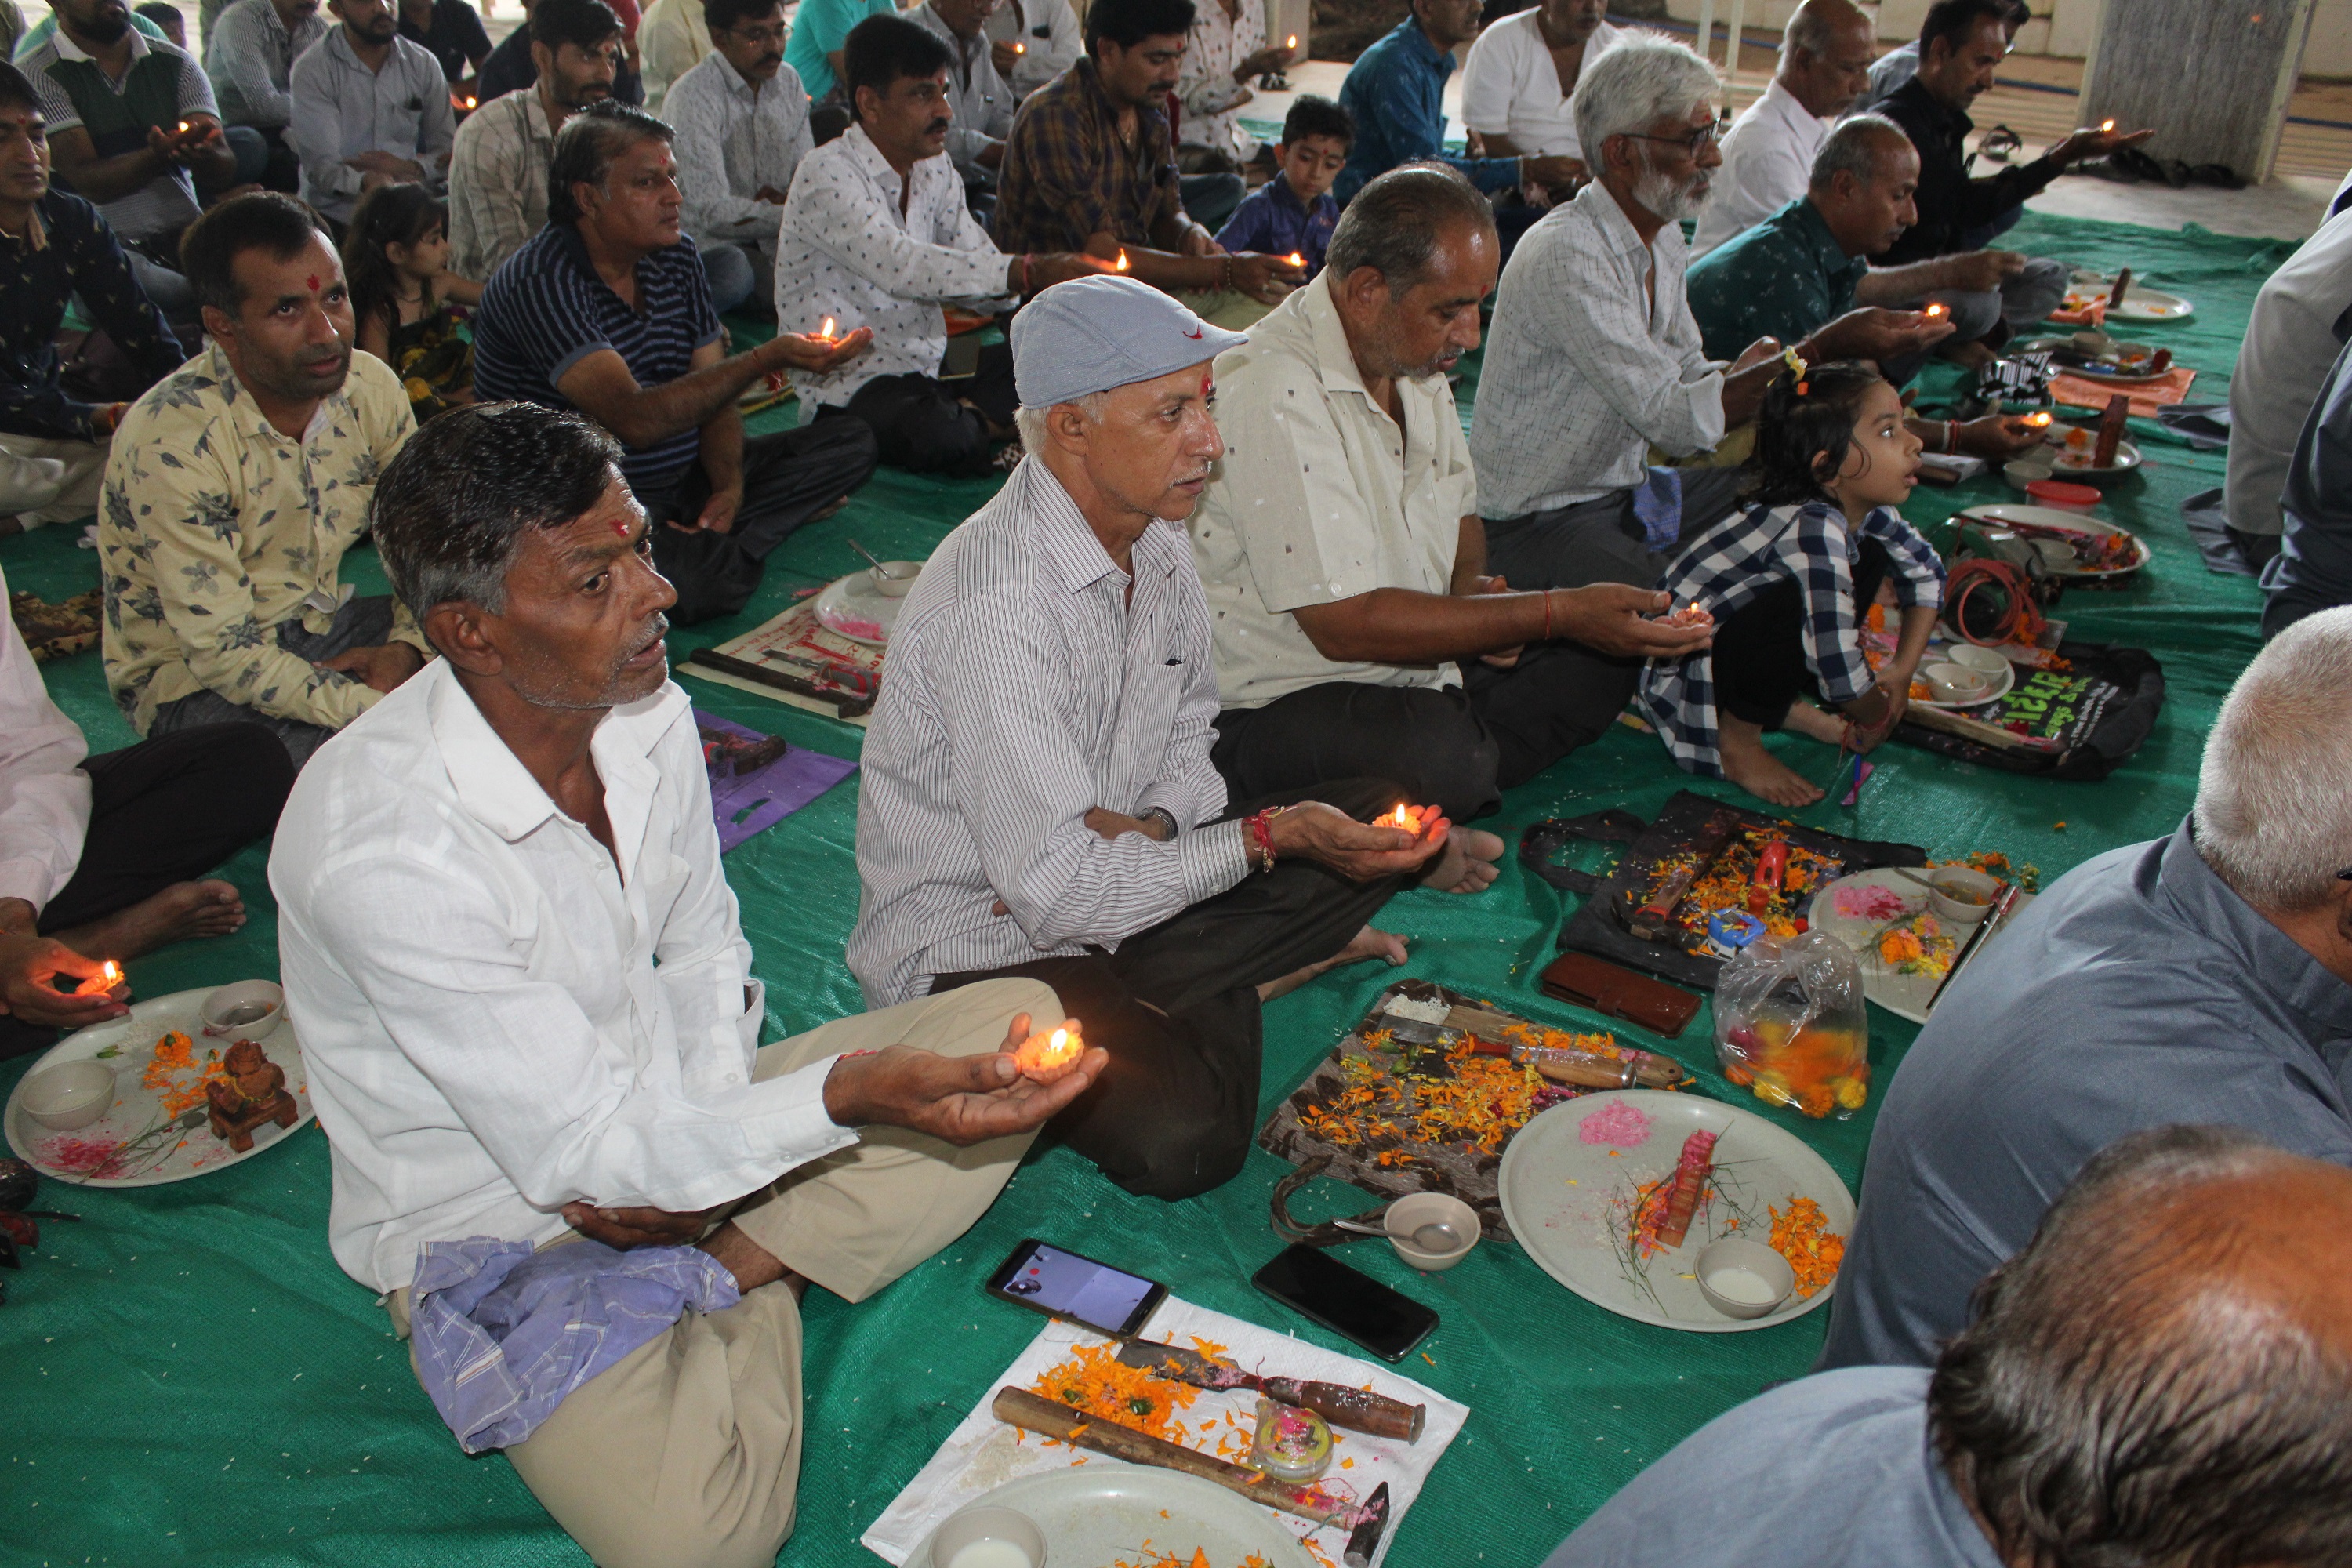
(1346, 1301)
(1063, 1284)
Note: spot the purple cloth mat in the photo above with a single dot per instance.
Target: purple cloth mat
(770, 790)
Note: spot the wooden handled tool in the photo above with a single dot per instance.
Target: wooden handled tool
(1581, 1070)
(1365, 1543)
(1652, 918)
(848, 704)
(1357, 1409)
(1031, 1413)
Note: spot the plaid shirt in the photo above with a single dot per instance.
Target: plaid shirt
(1066, 176)
(1728, 568)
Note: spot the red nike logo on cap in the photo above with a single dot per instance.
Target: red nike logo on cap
(1192, 335)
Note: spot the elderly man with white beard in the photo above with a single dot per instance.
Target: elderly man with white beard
(1594, 357)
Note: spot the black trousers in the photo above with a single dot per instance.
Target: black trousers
(164, 811)
(788, 478)
(1759, 648)
(1601, 540)
(920, 423)
(1456, 748)
(1177, 1008)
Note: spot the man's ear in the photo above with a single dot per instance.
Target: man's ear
(459, 629)
(219, 325)
(2344, 912)
(1365, 289)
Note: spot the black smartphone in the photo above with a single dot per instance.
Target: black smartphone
(1346, 1301)
(1064, 1284)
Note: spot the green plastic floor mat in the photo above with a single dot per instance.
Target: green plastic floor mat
(190, 1378)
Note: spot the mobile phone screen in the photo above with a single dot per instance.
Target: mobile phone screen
(1070, 1285)
(1346, 1301)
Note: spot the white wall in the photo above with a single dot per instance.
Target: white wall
(2064, 28)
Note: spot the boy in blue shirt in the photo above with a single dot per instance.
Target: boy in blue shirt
(1293, 213)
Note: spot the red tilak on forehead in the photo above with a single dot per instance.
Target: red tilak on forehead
(313, 282)
(1208, 381)
(621, 526)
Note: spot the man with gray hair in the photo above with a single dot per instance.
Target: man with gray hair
(1804, 265)
(2162, 1377)
(607, 311)
(1357, 629)
(1596, 358)
(1037, 797)
(1767, 153)
(2207, 977)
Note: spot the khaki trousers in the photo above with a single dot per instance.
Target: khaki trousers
(29, 497)
(686, 1453)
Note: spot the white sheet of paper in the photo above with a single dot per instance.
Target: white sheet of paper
(982, 1453)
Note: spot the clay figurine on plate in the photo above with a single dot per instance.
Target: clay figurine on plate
(254, 1094)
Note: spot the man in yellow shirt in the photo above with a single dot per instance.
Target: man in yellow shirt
(235, 486)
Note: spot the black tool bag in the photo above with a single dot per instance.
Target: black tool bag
(2100, 711)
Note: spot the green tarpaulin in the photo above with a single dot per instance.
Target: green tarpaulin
(188, 1377)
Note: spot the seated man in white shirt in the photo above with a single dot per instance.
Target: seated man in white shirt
(1339, 543)
(1037, 796)
(877, 234)
(1767, 153)
(1518, 85)
(529, 1015)
(1595, 358)
(104, 856)
(370, 108)
(743, 120)
(978, 97)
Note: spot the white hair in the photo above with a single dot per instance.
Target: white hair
(1643, 79)
(1031, 422)
(2274, 793)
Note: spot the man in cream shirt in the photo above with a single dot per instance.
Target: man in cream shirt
(1355, 630)
(528, 1012)
(1767, 153)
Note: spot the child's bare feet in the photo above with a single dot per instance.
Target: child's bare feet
(1746, 763)
(1807, 720)
(1466, 864)
(209, 908)
(1370, 942)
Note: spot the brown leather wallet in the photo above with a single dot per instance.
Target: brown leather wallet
(1610, 988)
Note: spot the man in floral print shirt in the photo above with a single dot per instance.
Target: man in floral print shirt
(235, 486)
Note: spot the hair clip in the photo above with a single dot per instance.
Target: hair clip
(1795, 362)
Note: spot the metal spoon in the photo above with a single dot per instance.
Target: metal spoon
(872, 558)
(1436, 1237)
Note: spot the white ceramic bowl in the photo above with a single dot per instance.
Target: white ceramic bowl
(1986, 661)
(892, 579)
(237, 1000)
(1408, 1214)
(988, 1537)
(1956, 682)
(1744, 1278)
(1943, 884)
(2022, 471)
(69, 1096)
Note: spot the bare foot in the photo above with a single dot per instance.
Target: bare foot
(1807, 720)
(1467, 863)
(1746, 763)
(183, 910)
(1369, 942)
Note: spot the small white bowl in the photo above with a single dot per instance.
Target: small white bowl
(1986, 661)
(238, 1000)
(892, 579)
(1408, 1214)
(988, 1537)
(69, 1096)
(1951, 879)
(2022, 471)
(1744, 1278)
(1956, 682)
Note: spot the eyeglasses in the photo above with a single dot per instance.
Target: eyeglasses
(1697, 142)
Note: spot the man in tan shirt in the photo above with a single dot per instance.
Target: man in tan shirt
(1356, 630)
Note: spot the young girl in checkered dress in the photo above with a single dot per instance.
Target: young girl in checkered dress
(1789, 581)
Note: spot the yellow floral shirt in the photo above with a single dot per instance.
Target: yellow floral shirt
(216, 530)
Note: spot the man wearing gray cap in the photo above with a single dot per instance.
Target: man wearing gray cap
(1038, 798)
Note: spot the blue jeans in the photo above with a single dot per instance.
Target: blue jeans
(730, 275)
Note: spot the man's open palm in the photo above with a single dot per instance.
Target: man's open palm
(957, 1100)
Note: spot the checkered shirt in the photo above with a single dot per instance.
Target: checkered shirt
(1728, 568)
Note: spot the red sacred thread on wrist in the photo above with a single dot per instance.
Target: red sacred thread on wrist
(1547, 636)
(1261, 833)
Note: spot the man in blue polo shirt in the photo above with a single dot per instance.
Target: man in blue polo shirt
(606, 311)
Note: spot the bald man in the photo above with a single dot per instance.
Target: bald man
(2163, 1376)
(1767, 153)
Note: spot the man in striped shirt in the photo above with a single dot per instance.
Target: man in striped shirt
(606, 311)
(1038, 798)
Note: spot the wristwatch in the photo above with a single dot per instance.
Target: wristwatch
(1160, 814)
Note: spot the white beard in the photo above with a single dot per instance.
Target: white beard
(1661, 197)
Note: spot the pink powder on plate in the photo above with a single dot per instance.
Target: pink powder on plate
(1872, 903)
(1615, 1123)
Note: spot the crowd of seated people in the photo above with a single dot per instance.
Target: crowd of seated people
(1248, 583)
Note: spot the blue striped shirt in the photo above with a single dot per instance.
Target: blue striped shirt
(545, 309)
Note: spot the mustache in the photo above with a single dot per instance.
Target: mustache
(936, 126)
(659, 630)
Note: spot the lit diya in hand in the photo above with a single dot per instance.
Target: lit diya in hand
(1403, 816)
(2039, 419)
(825, 333)
(1295, 260)
(1046, 1057)
(1691, 614)
(1121, 266)
(1935, 313)
(109, 976)
(2106, 126)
